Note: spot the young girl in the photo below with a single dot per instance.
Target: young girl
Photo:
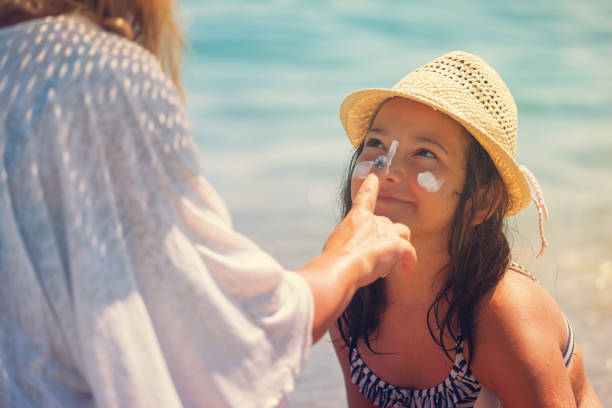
(467, 327)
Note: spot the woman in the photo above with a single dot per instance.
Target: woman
(123, 282)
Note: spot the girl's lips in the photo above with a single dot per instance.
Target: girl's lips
(390, 200)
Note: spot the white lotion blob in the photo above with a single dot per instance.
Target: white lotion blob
(391, 153)
(362, 169)
(429, 182)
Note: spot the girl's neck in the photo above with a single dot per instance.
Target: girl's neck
(423, 284)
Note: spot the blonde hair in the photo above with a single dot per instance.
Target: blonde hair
(150, 23)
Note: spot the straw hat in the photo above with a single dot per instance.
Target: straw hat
(467, 89)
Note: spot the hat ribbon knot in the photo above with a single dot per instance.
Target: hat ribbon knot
(540, 204)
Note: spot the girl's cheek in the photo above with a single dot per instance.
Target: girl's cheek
(428, 181)
(420, 165)
(427, 175)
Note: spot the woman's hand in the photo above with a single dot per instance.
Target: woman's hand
(363, 248)
(379, 243)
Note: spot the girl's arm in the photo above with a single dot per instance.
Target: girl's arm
(354, 397)
(583, 391)
(520, 338)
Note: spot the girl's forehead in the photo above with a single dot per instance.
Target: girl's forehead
(404, 111)
(400, 117)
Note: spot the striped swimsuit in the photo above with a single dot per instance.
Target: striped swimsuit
(459, 389)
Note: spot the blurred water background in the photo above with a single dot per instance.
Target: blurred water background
(264, 81)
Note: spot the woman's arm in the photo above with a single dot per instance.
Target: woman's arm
(361, 249)
(519, 343)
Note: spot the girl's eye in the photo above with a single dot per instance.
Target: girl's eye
(426, 153)
(373, 142)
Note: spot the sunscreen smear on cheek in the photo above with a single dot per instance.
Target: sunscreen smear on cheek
(362, 169)
(429, 182)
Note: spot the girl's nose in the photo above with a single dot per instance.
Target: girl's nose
(393, 173)
(391, 170)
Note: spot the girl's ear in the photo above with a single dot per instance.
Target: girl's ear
(489, 198)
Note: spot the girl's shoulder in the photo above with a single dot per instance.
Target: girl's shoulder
(515, 320)
(518, 300)
(517, 294)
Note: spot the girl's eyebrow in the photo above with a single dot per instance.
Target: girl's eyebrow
(428, 139)
(376, 130)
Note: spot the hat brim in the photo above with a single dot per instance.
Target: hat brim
(359, 107)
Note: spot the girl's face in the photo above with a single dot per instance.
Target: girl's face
(427, 173)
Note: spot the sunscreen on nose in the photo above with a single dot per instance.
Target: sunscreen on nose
(392, 151)
(362, 169)
(429, 182)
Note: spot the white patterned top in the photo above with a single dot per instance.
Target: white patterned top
(122, 281)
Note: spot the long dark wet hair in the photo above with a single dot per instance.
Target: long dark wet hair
(479, 255)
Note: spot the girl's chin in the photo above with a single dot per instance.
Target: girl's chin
(404, 216)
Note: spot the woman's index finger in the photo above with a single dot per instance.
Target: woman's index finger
(367, 194)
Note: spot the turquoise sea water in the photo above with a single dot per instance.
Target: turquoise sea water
(264, 81)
